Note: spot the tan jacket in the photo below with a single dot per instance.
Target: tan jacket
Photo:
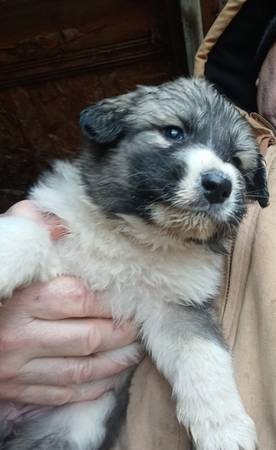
(248, 315)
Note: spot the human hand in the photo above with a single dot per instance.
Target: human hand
(56, 339)
(266, 87)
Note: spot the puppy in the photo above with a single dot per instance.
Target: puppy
(157, 192)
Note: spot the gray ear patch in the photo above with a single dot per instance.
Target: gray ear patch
(101, 123)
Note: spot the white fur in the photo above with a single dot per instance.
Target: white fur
(81, 424)
(200, 159)
(139, 271)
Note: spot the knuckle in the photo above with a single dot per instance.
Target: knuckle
(79, 290)
(74, 291)
(80, 299)
(62, 396)
(93, 340)
(82, 373)
(70, 290)
(75, 288)
(64, 283)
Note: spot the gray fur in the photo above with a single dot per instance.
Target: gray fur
(115, 421)
(5, 430)
(24, 442)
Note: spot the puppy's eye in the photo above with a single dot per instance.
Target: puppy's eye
(173, 133)
(237, 162)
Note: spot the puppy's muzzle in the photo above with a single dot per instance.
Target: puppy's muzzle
(216, 186)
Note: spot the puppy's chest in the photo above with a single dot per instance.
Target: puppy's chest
(129, 278)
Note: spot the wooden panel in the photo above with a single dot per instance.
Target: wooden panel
(210, 11)
(111, 20)
(105, 38)
(57, 57)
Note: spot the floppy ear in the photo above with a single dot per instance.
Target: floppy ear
(258, 186)
(104, 121)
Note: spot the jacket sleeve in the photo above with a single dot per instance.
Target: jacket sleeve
(234, 61)
(268, 39)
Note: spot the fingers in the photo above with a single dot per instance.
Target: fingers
(37, 395)
(61, 298)
(77, 371)
(76, 337)
(55, 395)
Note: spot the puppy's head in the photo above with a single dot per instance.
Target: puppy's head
(178, 156)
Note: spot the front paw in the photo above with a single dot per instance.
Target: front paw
(26, 251)
(235, 432)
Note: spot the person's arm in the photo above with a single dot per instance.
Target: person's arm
(235, 60)
(54, 338)
(266, 86)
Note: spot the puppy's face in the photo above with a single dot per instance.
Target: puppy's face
(179, 156)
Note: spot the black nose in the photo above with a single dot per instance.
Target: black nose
(217, 186)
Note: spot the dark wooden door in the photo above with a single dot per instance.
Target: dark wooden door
(58, 56)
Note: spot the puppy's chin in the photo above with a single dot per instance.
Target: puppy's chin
(188, 224)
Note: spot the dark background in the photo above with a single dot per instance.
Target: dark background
(56, 57)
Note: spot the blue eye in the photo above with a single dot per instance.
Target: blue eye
(173, 133)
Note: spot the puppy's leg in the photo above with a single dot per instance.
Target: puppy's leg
(25, 253)
(189, 350)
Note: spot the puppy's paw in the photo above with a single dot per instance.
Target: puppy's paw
(236, 432)
(26, 252)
